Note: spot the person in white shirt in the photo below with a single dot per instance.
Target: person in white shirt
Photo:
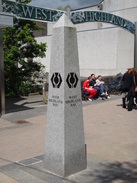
(100, 82)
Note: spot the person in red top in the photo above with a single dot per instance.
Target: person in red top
(89, 89)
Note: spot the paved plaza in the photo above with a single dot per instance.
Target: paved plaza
(110, 136)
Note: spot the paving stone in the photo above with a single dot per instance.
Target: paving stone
(6, 179)
(17, 172)
(29, 161)
(41, 157)
(39, 172)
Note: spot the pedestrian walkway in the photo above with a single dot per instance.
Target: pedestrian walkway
(110, 135)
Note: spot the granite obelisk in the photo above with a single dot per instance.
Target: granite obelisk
(65, 151)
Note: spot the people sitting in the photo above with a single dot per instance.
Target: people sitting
(128, 84)
(89, 89)
(100, 86)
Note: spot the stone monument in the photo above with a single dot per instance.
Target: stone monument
(65, 150)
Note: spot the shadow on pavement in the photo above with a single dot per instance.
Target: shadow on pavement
(15, 104)
(115, 172)
(133, 108)
(122, 172)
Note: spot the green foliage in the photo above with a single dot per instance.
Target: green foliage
(20, 1)
(24, 1)
(65, 8)
(20, 48)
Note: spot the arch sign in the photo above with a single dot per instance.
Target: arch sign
(23, 11)
(100, 16)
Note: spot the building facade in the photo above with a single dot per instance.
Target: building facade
(103, 48)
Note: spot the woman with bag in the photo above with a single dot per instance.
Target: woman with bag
(128, 85)
(132, 94)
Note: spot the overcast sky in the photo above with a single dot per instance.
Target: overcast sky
(53, 4)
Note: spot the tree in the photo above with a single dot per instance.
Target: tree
(20, 48)
(65, 8)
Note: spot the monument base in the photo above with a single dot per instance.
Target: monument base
(73, 164)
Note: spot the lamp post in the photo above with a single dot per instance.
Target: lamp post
(2, 87)
(6, 20)
(135, 46)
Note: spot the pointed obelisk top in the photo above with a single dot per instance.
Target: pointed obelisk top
(64, 21)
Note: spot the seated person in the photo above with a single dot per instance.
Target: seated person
(99, 88)
(89, 89)
(101, 83)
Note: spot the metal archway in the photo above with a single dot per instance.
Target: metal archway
(101, 16)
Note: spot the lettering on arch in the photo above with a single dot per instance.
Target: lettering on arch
(100, 16)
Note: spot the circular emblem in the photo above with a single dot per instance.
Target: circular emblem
(72, 80)
(56, 80)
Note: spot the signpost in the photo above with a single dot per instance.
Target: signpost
(65, 151)
(135, 46)
(27, 12)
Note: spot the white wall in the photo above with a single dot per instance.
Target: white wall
(105, 51)
(49, 28)
(97, 51)
(46, 60)
(125, 55)
(119, 5)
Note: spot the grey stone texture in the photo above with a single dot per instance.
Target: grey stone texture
(65, 151)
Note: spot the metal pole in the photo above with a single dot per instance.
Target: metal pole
(135, 46)
(1, 5)
(2, 87)
(68, 12)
